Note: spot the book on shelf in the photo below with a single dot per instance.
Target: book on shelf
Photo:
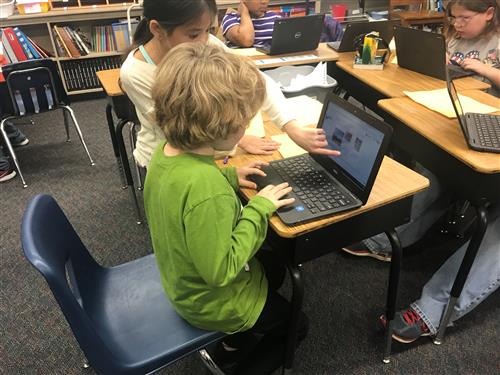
(81, 74)
(15, 52)
(290, 10)
(17, 46)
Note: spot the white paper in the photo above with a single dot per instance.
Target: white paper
(439, 101)
(288, 147)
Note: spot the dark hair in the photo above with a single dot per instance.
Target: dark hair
(478, 6)
(170, 14)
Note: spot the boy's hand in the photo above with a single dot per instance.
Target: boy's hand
(275, 192)
(310, 139)
(257, 145)
(244, 172)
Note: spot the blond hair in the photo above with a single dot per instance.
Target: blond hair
(203, 94)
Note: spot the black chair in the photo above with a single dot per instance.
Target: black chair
(34, 86)
(120, 316)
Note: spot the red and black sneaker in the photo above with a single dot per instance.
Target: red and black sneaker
(7, 174)
(408, 326)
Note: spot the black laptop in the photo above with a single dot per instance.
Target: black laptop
(425, 52)
(481, 131)
(324, 185)
(352, 30)
(295, 34)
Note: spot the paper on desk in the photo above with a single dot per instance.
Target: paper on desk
(317, 77)
(288, 147)
(247, 52)
(306, 109)
(439, 101)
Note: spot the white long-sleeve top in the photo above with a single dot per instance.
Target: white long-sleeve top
(137, 78)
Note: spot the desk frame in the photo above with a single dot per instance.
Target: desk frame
(311, 245)
(478, 188)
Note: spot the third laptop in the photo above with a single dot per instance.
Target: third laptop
(352, 30)
(324, 185)
(481, 131)
(424, 52)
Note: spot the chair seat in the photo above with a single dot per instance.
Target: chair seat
(135, 333)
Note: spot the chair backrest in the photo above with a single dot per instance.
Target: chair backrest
(34, 86)
(53, 247)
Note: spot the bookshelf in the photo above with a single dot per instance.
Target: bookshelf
(78, 73)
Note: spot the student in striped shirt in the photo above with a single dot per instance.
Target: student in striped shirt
(252, 26)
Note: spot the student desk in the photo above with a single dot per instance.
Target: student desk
(370, 86)
(125, 112)
(437, 143)
(322, 53)
(388, 206)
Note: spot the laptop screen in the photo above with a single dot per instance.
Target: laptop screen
(454, 99)
(358, 141)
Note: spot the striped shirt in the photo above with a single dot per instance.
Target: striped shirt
(263, 27)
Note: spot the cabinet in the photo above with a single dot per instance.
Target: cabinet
(78, 73)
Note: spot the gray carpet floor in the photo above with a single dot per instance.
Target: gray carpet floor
(344, 294)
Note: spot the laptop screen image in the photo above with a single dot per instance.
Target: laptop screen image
(358, 142)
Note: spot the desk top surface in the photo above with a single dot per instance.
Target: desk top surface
(394, 182)
(393, 80)
(109, 78)
(443, 131)
(322, 53)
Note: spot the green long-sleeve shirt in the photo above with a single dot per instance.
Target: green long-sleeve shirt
(204, 242)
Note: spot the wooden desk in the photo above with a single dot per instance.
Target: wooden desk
(388, 206)
(109, 80)
(445, 132)
(393, 80)
(422, 17)
(323, 53)
(438, 144)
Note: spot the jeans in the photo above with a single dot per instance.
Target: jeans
(483, 279)
(427, 207)
(13, 133)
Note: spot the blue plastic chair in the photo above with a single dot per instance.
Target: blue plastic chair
(120, 316)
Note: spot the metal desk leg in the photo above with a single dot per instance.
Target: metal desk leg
(463, 272)
(126, 167)
(392, 293)
(116, 150)
(297, 298)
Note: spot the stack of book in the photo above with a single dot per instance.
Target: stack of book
(81, 74)
(103, 39)
(71, 42)
(290, 10)
(15, 46)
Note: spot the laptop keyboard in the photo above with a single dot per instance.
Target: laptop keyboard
(313, 187)
(488, 129)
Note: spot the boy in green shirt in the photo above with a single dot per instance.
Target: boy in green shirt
(204, 241)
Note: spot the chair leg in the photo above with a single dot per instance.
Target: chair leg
(138, 171)
(11, 149)
(72, 114)
(66, 125)
(209, 362)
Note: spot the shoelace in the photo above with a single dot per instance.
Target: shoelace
(411, 317)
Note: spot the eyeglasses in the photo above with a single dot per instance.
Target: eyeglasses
(461, 20)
